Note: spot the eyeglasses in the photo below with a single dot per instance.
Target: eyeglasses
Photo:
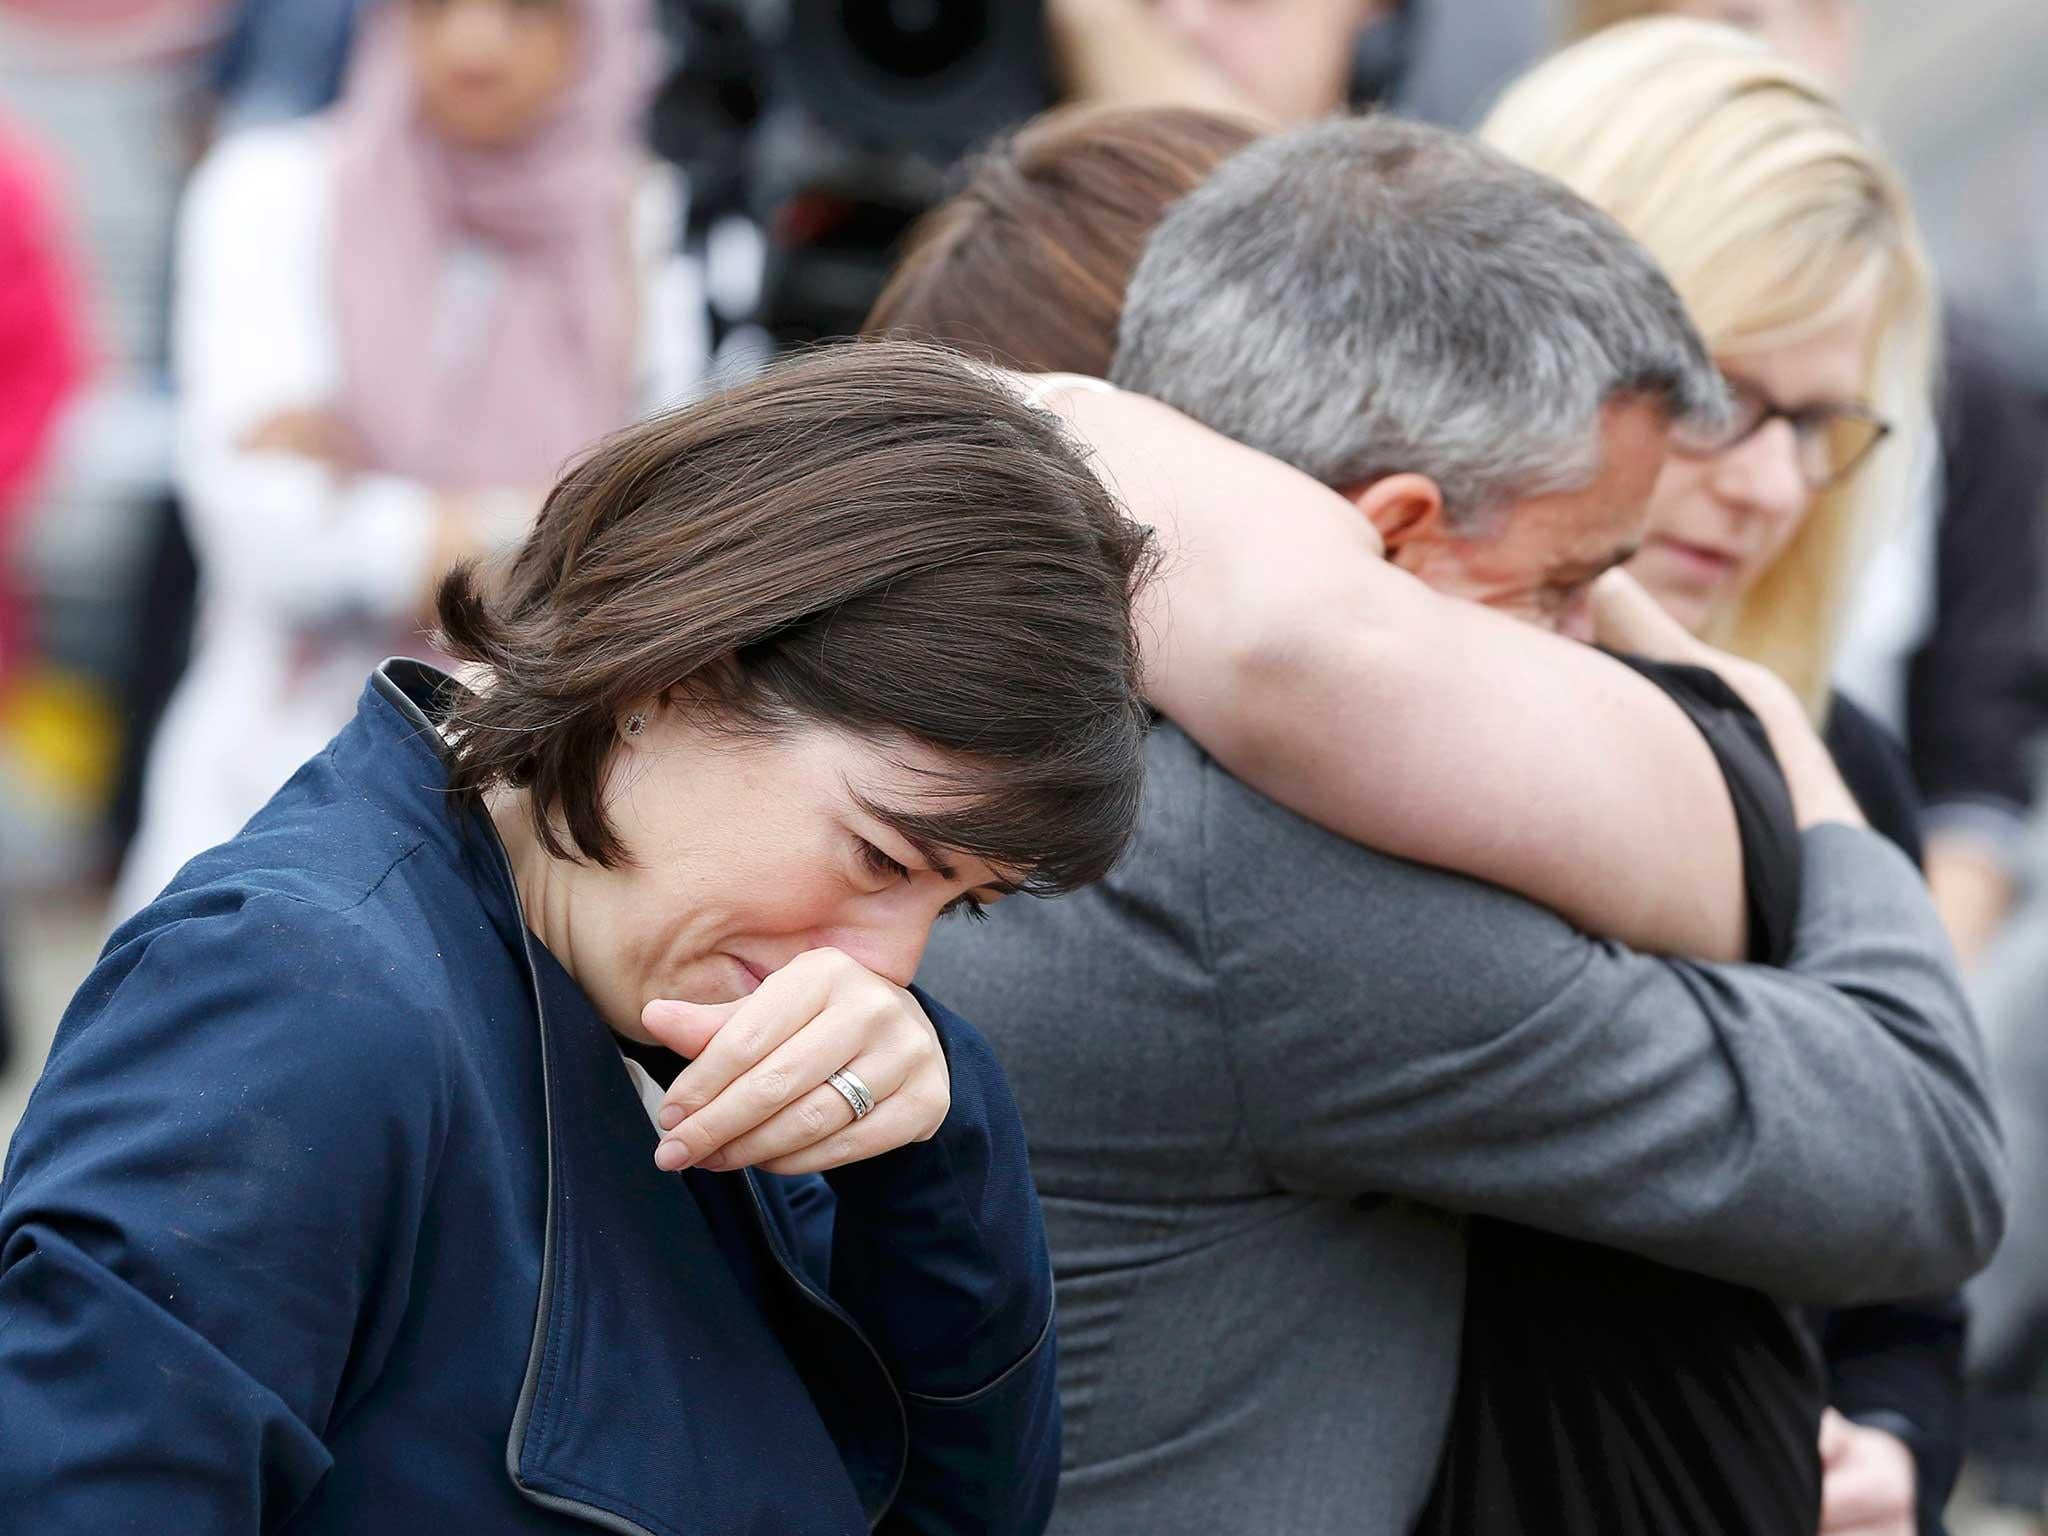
(1829, 440)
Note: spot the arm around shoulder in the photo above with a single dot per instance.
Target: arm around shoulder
(1820, 1133)
(1430, 728)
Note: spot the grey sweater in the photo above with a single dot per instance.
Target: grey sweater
(1264, 1070)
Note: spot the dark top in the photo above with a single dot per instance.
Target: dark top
(336, 1208)
(1572, 1371)
(1974, 687)
(1896, 1365)
(1873, 764)
(1610, 1393)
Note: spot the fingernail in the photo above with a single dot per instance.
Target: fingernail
(671, 1116)
(671, 1157)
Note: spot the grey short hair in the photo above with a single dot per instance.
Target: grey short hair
(1369, 296)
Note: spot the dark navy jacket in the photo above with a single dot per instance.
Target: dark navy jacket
(336, 1210)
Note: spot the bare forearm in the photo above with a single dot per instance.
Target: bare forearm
(1279, 639)
(1445, 734)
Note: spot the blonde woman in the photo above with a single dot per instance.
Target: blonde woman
(1795, 251)
(1947, 625)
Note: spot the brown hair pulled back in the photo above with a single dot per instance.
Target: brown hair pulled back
(876, 537)
(1027, 265)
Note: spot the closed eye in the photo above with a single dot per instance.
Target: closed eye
(967, 906)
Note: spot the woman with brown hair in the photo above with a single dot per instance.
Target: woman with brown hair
(1026, 268)
(349, 1199)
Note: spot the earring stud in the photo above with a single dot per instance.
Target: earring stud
(635, 723)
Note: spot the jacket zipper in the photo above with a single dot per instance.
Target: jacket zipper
(604, 1519)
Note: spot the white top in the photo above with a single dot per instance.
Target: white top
(652, 1095)
(288, 552)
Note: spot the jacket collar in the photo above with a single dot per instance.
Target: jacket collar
(394, 754)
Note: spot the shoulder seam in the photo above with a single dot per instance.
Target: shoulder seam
(369, 891)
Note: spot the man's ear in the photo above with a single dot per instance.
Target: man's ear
(1405, 508)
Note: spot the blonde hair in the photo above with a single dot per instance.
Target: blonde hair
(1775, 218)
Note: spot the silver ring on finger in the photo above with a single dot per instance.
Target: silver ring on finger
(854, 1091)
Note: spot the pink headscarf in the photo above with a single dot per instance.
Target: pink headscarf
(556, 371)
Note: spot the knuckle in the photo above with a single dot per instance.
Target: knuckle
(771, 1084)
(843, 1148)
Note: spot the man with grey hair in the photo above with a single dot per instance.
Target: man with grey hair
(1458, 344)
(1267, 1072)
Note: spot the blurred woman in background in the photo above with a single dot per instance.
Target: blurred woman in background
(1796, 252)
(393, 323)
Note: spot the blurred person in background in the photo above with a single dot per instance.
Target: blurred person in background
(393, 324)
(111, 92)
(1028, 237)
(280, 59)
(1797, 254)
(41, 355)
(1292, 61)
(41, 363)
(1944, 641)
(816, 134)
